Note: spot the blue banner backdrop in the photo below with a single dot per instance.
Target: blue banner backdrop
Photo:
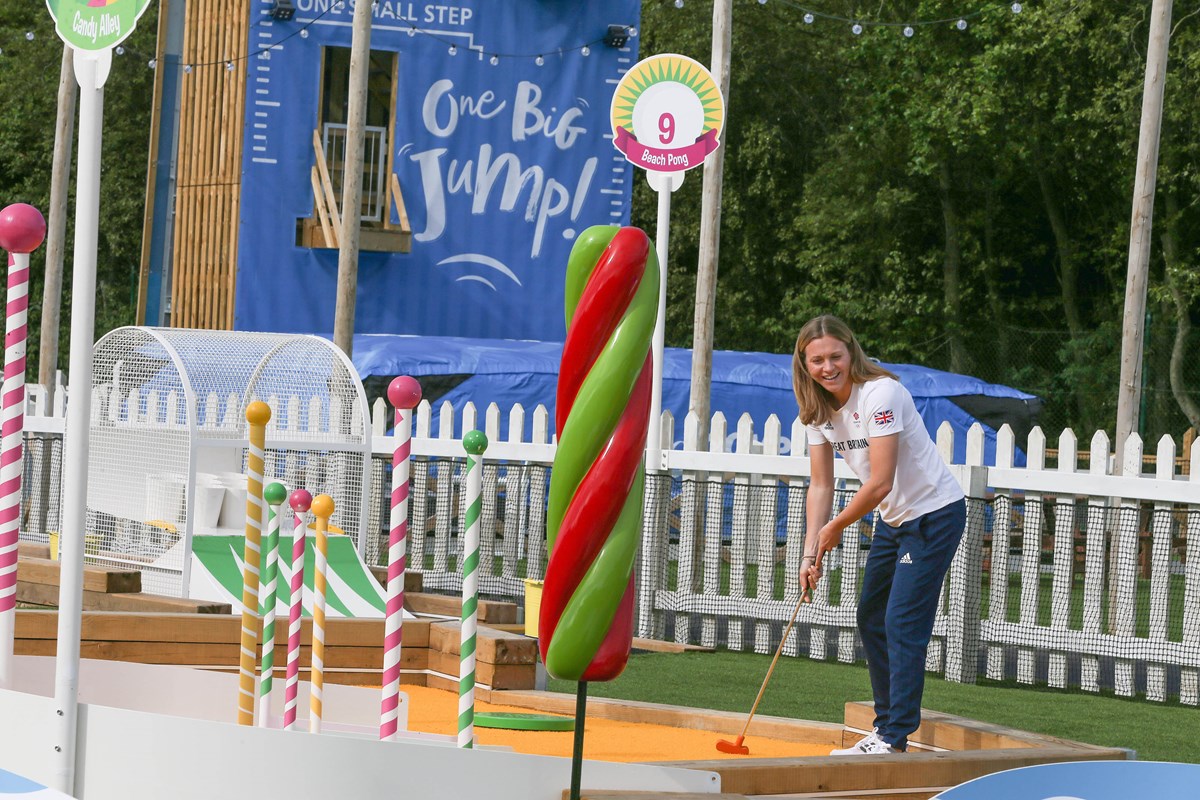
(500, 164)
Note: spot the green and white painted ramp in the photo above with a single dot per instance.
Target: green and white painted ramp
(352, 590)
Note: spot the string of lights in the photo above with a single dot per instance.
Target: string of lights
(860, 24)
(615, 36)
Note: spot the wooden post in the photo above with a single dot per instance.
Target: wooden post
(1129, 390)
(352, 169)
(710, 234)
(56, 234)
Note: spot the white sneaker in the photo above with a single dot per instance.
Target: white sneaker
(869, 745)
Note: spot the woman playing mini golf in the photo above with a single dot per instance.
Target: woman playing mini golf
(857, 409)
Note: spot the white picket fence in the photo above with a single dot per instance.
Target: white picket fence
(1085, 571)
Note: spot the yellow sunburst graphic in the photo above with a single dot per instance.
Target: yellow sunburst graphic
(667, 68)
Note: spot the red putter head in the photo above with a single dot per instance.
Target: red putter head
(22, 228)
(404, 392)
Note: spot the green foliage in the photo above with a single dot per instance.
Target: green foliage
(29, 77)
(962, 198)
(957, 195)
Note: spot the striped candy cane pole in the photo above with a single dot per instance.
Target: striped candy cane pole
(274, 494)
(322, 508)
(475, 442)
(258, 414)
(22, 229)
(404, 393)
(300, 501)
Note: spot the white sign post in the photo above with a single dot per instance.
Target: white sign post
(92, 31)
(667, 114)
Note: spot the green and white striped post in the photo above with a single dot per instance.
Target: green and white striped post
(275, 494)
(474, 442)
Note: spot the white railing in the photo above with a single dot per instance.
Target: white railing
(1065, 575)
(374, 189)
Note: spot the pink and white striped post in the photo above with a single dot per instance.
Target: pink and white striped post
(300, 501)
(404, 393)
(22, 229)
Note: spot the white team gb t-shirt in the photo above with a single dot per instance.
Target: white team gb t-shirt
(882, 407)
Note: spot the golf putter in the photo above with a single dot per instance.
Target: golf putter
(736, 747)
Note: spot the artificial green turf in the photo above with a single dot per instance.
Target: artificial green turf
(816, 690)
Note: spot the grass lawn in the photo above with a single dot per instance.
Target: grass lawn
(817, 690)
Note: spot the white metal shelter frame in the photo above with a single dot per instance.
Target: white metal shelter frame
(168, 439)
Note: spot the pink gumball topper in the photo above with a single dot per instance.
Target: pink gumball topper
(22, 228)
(300, 501)
(404, 392)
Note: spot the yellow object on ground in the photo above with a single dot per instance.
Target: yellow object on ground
(91, 544)
(533, 606)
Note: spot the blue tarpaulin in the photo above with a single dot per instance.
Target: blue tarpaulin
(507, 372)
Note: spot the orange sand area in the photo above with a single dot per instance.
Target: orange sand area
(436, 711)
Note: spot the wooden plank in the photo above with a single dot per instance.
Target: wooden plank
(95, 579)
(766, 776)
(205, 157)
(398, 197)
(491, 645)
(951, 732)
(655, 646)
(321, 211)
(451, 606)
(326, 185)
(32, 550)
(47, 595)
(498, 676)
(207, 628)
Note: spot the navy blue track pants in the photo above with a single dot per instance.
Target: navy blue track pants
(900, 594)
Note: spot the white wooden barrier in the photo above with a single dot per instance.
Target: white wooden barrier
(1084, 570)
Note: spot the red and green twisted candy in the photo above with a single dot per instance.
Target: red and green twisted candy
(594, 520)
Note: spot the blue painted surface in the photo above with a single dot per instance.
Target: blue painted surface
(501, 166)
(1085, 780)
(13, 785)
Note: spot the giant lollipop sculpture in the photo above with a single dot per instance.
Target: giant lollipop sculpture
(593, 524)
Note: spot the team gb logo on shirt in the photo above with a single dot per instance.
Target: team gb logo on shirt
(884, 417)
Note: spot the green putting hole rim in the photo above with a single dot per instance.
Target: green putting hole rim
(523, 722)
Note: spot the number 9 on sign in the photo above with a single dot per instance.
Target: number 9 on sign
(666, 126)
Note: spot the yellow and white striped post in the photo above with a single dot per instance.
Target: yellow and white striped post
(322, 509)
(258, 414)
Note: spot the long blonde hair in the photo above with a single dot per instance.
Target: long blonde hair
(816, 403)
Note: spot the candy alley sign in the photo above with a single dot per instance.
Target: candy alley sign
(95, 24)
(667, 114)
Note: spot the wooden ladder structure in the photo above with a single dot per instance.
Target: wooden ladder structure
(326, 203)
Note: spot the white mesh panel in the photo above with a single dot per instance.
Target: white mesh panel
(168, 438)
